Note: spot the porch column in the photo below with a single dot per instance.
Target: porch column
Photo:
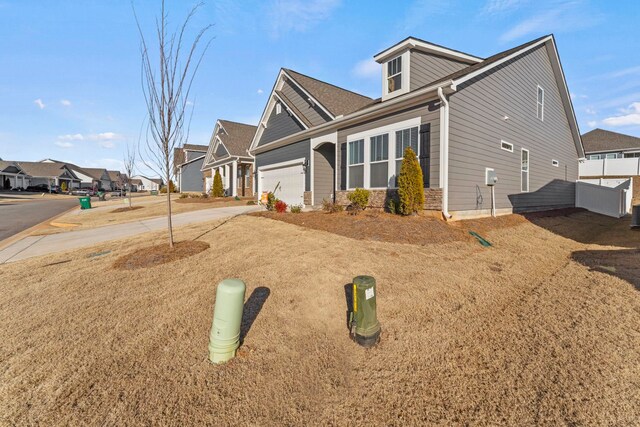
(234, 178)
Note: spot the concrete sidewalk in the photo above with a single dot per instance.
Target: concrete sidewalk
(32, 246)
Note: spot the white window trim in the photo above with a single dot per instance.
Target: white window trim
(541, 118)
(555, 163)
(371, 162)
(391, 130)
(406, 67)
(528, 170)
(364, 156)
(502, 141)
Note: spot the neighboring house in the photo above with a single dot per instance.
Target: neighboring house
(463, 115)
(49, 173)
(135, 184)
(228, 153)
(604, 144)
(148, 184)
(94, 178)
(187, 165)
(12, 176)
(117, 180)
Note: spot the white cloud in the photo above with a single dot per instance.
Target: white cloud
(367, 68)
(590, 110)
(106, 143)
(570, 16)
(65, 102)
(104, 136)
(64, 144)
(39, 103)
(630, 117)
(592, 123)
(494, 7)
(260, 92)
(71, 137)
(298, 15)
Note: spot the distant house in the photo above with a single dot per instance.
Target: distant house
(228, 154)
(187, 165)
(604, 144)
(50, 174)
(94, 178)
(12, 176)
(148, 184)
(117, 180)
(135, 184)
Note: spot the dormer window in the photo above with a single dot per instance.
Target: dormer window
(278, 108)
(394, 74)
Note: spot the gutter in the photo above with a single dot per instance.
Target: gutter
(444, 151)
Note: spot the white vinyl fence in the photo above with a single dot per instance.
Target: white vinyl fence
(610, 167)
(610, 201)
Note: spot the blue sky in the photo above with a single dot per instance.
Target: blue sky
(70, 81)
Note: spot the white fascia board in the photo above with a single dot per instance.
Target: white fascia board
(191, 161)
(309, 95)
(412, 43)
(349, 118)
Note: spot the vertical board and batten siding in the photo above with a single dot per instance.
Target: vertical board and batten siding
(279, 126)
(477, 125)
(426, 68)
(289, 152)
(315, 115)
(429, 112)
(323, 172)
(191, 178)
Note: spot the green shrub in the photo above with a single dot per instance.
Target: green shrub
(410, 185)
(295, 208)
(251, 203)
(392, 205)
(331, 207)
(163, 190)
(184, 196)
(271, 201)
(217, 190)
(359, 199)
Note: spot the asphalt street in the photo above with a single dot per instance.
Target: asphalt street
(18, 214)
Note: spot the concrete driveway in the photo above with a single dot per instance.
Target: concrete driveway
(32, 246)
(22, 211)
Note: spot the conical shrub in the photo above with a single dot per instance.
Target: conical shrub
(217, 190)
(410, 185)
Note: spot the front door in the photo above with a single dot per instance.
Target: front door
(425, 152)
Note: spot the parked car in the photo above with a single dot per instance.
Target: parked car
(17, 189)
(38, 188)
(80, 192)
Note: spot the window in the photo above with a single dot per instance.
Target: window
(555, 163)
(379, 158)
(524, 160)
(394, 74)
(611, 156)
(595, 157)
(405, 138)
(630, 155)
(278, 108)
(356, 163)
(507, 146)
(540, 110)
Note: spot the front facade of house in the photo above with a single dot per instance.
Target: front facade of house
(464, 116)
(12, 176)
(50, 174)
(148, 184)
(228, 154)
(187, 162)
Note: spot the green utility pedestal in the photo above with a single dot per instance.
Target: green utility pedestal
(224, 338)
(365, 326)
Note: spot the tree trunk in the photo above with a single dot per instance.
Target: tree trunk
(169, 209)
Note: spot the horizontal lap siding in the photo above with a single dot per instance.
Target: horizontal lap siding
(191, 178)
(299, 99)
(289, 152)
(427, 68)
(428, 112)
(477, 125)
(279, 126)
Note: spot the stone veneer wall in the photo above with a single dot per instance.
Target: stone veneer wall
(308, 198)
(635, 197)
(380, 198)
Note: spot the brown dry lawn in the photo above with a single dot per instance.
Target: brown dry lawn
(113, 212)
(542, 328)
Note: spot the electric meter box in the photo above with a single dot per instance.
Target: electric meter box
(491, 177)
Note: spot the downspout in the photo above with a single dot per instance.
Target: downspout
(444, 153)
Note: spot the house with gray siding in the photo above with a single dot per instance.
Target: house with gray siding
(187, 162)
(468, 118)
(228, 154)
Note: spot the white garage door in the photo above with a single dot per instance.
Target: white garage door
(290, 182)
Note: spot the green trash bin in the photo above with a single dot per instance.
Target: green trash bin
(85, 202)
(101, 196)
(154, 192)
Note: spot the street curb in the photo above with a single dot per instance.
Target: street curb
(25, 233)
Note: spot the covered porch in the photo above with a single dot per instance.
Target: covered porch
(237, 176)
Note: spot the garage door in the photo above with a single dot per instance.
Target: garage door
(290, 183)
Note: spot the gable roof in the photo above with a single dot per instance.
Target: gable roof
(95, 173)
(606, 140)
(448, 84)
(237, 137)
(337, 100)
(195, 147)
(114, 176)
(38, 169)
(4, 165)
(425, 46)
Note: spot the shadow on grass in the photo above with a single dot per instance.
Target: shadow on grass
(623, 263)
(252, 308)
(348, 296)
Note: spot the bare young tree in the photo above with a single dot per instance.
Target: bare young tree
(129, 168)
(166, 84)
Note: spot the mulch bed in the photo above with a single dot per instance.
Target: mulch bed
(159, 254)
(127, 209)
(376, 225)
